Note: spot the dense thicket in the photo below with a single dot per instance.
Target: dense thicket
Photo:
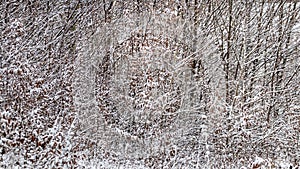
(149, 84)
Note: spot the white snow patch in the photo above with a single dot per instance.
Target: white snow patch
(258, 161)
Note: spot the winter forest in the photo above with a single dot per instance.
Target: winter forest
(150, 84)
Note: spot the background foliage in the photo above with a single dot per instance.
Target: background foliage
(149, 84)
